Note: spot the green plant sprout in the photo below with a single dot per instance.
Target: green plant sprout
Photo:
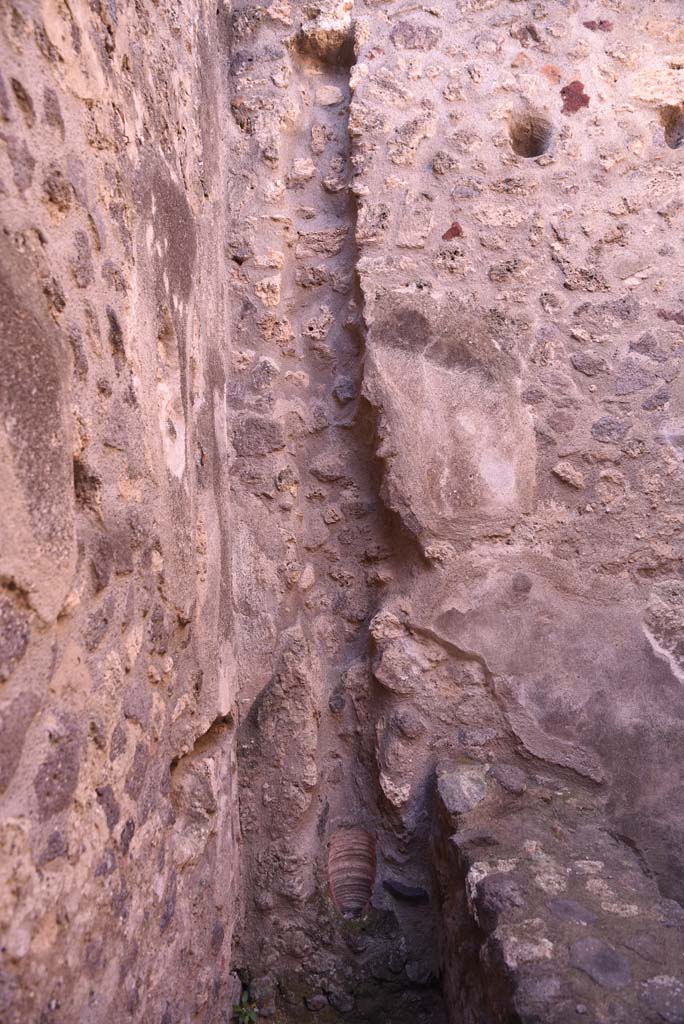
(245, 1012)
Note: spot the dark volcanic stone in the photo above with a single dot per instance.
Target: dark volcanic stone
(632, 377)
(55, 847)
(127, 833)
(588, 363)
(411, 35)
(409, 723)
(665, 995)
(15, 719)
(118, 742)
(14, 635)
(107, 865)
(217, 935)
(169, 905)
(658, 400)
(610, 430)
(102, 562)
(109, 804)
(602, 963)
(521, 583)
(56, 779)
(337, 702)
(316, 1003)
(341, 1001)
(543, 989)
(52, 111)
(672, 914)
(97, 624)
(137, 704)
(8, 990)
(138, 770)
(345, 390)
(647, 345)
(409, 893)
(570, 910)
(258, 435)
(22, 160)
(511, 778)
(496, 894)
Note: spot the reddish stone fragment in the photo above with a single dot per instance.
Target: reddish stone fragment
(574, 97)
(551, 72)
(455, 231)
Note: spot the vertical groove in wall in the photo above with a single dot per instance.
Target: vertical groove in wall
(306, 483)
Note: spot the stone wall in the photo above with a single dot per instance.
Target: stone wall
(342, 437)
(456, 431)
(548, 914)
(118, 822)
(529, 307)
(517, 170)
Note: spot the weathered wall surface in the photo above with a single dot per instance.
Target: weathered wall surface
(518, 170)
(342, 417)
(466, 523)
(117, 841)
(532, 304)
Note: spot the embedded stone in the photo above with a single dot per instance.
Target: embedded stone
(494, 895)
(126, 837)
(345, 390)
(408, 893)
(610, 429)
(14, 634)
(588, 363)
(513, 779)
(409, 723)
(665, 995)
(316, 1002)
(601, 962)
(56, 780)
(574, 97)
(109, 804)
(412, 35)
(632, 377)
(138, 770)
(15, 719)
(343, 1002)
(443, 162)
(55, 848)
(570, 910)
(258, 435)
(567, 474)
(329, 96)
(462, 789)
(658, 400)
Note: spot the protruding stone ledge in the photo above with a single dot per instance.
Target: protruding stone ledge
(548, 917)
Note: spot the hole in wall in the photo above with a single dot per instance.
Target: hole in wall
(672, 120)
(325, 40)
(530, 134)
(351, 870)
